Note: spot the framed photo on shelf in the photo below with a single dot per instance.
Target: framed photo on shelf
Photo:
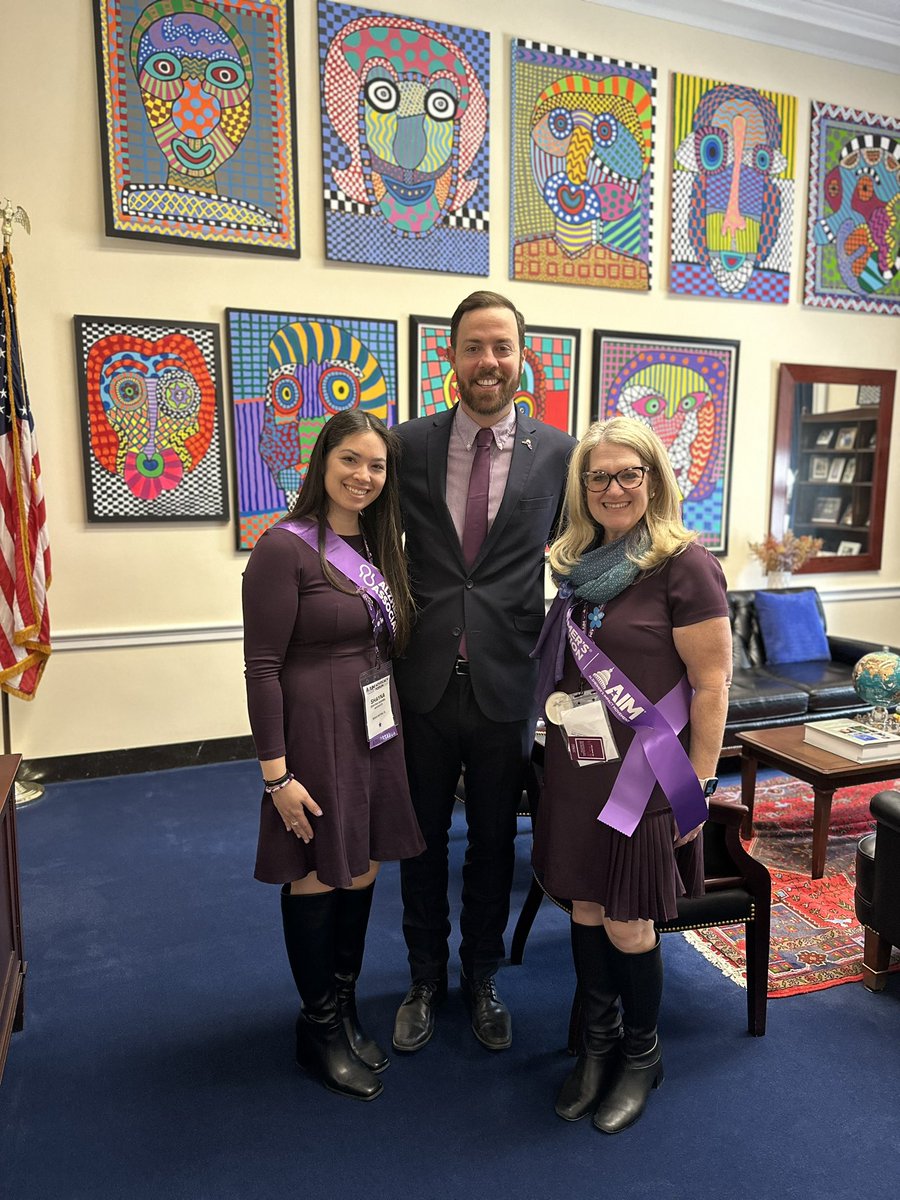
(849, 471)
(826, 510)
(818, 467)
(847, 518)
(824, 436)
(849, 548)
(846, 438)
(836, 470)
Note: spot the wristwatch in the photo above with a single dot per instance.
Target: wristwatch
(709, 785)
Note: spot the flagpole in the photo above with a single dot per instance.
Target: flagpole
(36, 650)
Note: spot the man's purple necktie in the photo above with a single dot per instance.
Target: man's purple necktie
(475, 528)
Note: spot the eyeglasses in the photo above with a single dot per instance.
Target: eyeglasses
(628, 478)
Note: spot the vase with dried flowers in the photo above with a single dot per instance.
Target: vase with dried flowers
(781, 557)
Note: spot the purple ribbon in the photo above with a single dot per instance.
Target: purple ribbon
(359, 571)
(655, 755)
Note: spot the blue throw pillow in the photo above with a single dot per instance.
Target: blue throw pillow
(791, 627)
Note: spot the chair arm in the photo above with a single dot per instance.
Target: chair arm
(851, 650)
(885, 808)
(729, 815)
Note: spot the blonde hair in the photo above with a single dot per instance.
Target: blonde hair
(668, 535)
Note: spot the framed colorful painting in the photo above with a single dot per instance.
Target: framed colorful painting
(405, 150)
(731, 226)
(684, 390)
(151, 419)
(853, 219)
(548, 389)
(197, 122)
(582, 168)
(290, 372)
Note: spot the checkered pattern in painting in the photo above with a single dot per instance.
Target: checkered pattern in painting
(535, 66)
(260, 502)
(201, 495)
(357, 232)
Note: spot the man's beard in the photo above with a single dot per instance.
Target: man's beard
(488, 406)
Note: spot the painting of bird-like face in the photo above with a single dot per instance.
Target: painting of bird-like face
(853, 227)
(684, 392)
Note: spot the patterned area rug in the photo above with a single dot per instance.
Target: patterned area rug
(816, 940)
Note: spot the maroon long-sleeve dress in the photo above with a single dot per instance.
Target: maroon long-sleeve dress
(305, 645)
(576, 856)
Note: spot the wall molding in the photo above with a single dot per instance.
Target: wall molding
(180, 635)
(865, 32)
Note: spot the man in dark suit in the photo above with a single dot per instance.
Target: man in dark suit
(466, 682)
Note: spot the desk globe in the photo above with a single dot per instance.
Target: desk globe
(876, 678)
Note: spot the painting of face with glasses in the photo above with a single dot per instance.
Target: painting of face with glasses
(684, 391)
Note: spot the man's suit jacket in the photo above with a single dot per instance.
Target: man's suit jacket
(500, 601)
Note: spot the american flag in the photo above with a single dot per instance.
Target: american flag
(24, 546)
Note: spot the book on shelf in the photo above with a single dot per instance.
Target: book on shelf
(852, 739)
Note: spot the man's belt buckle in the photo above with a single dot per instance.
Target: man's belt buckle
(462, 666)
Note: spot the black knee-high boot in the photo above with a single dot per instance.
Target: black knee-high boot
(640, 978)
(599, 992)
(351, 922)
(322, 1046)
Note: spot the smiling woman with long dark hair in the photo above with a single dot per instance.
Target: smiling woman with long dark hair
(326, 603)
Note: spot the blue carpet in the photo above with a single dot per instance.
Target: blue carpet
(156, 1059)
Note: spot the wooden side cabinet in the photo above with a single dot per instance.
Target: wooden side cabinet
(12, 963)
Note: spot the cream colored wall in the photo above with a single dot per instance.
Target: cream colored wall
(146, 618)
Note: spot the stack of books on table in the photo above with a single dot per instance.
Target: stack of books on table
(852, 739)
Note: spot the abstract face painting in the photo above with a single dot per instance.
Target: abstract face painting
(547, 388)
(197, 120)
(290, 373)
(590, 146)
(195, 76)
(315, 371)
(407, 107)
(684, 392)
(853, 228)
(583, 132)
(153, 420)
(731, 206)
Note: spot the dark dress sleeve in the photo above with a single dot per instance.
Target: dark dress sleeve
(696, 587)
(271, 595)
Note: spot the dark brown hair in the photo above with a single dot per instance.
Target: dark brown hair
(486, 300)
(380, 520)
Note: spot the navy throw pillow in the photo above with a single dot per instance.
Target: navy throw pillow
(791, 627)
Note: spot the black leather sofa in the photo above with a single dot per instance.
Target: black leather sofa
(877, 896)
(764, 695)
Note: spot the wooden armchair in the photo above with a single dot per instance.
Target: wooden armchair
(738, 890)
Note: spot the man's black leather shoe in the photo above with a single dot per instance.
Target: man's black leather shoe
(491, 1022)
(414, 1024)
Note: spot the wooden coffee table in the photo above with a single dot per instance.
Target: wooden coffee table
(784, 748)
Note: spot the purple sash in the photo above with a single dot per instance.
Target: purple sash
(359, 571)
(655, 755)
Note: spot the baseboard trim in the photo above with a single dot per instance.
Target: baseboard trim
(136, 759)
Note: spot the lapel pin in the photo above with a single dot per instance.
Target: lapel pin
(527, 442)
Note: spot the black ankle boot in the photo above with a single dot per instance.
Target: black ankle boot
(322, 1046)
(351, 922)
(640, 984)
(599, 1056)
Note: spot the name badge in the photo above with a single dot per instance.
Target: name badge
(376, 689)
(588, 734)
